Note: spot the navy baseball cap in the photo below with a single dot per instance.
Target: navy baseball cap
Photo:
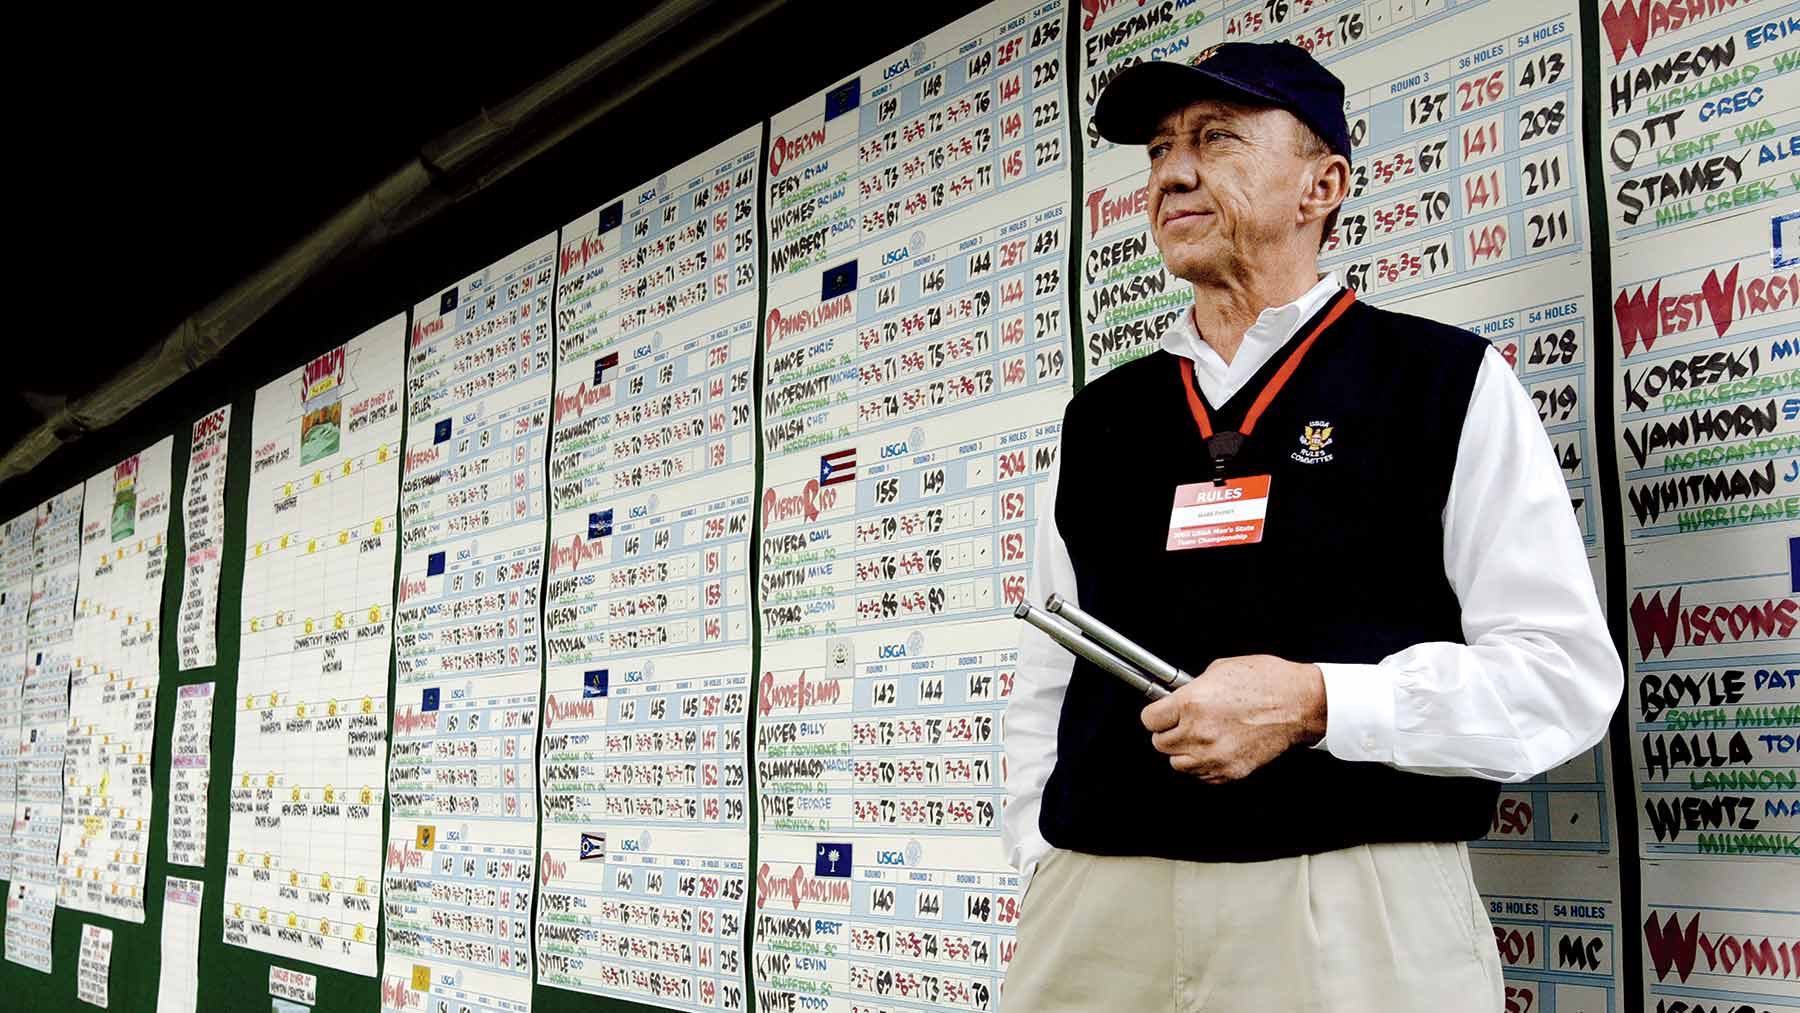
(1278, 74)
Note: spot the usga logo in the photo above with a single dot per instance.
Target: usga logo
(1314, 438)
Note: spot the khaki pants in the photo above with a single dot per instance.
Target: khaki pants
(1383, 927)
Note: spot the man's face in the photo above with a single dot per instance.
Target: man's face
(1225, 187)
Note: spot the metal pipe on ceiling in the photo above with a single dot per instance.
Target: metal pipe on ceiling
(417, 191)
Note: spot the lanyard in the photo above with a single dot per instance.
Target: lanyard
(1222, 447)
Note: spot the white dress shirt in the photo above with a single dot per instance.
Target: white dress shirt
(1534, 685)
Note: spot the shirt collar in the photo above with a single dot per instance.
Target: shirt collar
(1273, 328)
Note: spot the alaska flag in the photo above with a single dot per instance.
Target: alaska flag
(593, 846)
(434, 564)
(428, 700)
(440, 432)
(843, 98)
(446, 302)
(593, 682)
(608, 361)
(612, 216)
(833, 859)
(600, 524)
(838, 280)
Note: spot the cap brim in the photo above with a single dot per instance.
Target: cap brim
(1134, 103)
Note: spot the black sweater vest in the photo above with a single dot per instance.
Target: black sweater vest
(1350, 569)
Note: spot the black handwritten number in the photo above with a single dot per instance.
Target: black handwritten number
(1350, 27)
(1359, 180)
(1356, 276)
(1547, 228)
(1543, 122)
(1045, 113)
(1427, 108)
(1049, 152)
(1437, 205)
(1544, 175)
(640, 228)
(1570, 459)
(1277, 10)
(1045, 72)
(1549, 67)
(887, 490)
(1555, 348)
(1555, 401)
(1355, 229)
(1431, 156)
(1359, 131)
(1046, 282)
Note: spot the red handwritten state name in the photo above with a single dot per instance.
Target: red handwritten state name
(402, 857)
(409, 722)
(784, 149)
(1667, 625)
(1092, 9)
(1631, 25)
(799, 887)
(797, 694)
(809, 502)
(397, 993)
(567, 710)
(576, 254)
(570, 556)
(1645, 316)
(551, 868)
(410, 588)
(782, 326)
(1675, 947)
(1106, 208)
(423, 329)
(422, 457)
(581, 399)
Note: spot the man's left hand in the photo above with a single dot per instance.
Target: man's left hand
(1238, 715)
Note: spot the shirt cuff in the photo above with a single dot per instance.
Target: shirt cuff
(1359, 712)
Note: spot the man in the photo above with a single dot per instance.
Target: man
(1349, 523)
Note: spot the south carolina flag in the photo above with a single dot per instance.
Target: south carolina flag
(837, 467)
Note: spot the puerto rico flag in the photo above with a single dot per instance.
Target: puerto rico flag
(837, 467)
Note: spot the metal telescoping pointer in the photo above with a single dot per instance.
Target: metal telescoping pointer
(1118, 643)
(1071, 638)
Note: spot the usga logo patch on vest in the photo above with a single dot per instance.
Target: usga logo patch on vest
(1314, 438)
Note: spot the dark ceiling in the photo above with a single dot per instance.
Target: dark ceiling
(162, 162)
